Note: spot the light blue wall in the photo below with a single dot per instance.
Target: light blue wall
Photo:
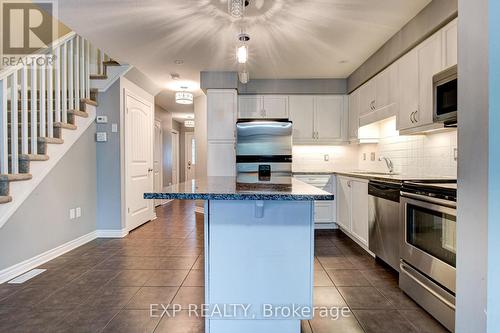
(494, 170)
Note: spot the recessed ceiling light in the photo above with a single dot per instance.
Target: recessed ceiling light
(178, 61)
(175, 76)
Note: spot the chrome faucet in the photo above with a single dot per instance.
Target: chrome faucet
(388, 162)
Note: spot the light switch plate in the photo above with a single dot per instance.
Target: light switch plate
(364, 156)
(372, 156)
(101, 136)
(102, 119)
(326, 157)
(114, 128)
(71, 213)
(78, 211)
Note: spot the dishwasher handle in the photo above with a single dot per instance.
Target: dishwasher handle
(388, 191)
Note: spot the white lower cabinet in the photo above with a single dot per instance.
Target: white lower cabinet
(221, 159)
(352, 207)
(324, 211)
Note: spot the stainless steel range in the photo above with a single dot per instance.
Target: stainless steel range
(428, 247)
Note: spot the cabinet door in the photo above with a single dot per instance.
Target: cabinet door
(221, 114)
(221, 159)
(386, 91)
(366, 98)
(408, 80)
(359, 210)
(429, 63)
(301, 114)
(353, 115)
(250, 107)
(275, 106)
(329, 118)
(344, 203)
(450, 43)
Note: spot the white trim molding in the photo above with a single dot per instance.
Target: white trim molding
(11, 272)
(111, 233)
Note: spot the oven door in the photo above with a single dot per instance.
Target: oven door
(429, 237)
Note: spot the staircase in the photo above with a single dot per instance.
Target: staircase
(42, 103)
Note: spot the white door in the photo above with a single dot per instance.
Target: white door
(429, 63)
(408, 80)
(353, 115)
(158, 159)
(301, 114)
(190, 159)
(175, 157)
(275, 106)
(359, 211)
(344, 203)
(328, 117)
(250, 107)
(138, 159)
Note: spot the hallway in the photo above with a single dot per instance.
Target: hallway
(108, 285)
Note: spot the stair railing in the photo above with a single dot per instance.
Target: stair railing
(33, 96)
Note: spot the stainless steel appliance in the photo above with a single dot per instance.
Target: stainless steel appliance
(264, 152)
(428, 248)
(446, 96)
(384, 225)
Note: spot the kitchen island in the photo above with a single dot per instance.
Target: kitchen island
(259, 252)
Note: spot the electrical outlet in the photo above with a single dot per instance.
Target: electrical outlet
(455, 154)
(372, 156)
(364, 156)
(114, 128)
(326, 157)
(71, 213)
(78, 211)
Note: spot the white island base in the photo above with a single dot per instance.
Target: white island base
(259, 256)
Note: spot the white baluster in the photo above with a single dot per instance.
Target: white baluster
(4, 162)
(87, 69)
(43, 106)
(82, 68)
(71, 95)
(34, 109)
(24, 110)
(14, 138)
(77, 72)
(57, 84)
(64, 82)
(50, 102)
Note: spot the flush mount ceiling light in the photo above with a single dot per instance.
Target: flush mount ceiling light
(184, 97)
(189, 123)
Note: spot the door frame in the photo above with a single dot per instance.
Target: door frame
(186, 157)
(176, 132)
(123, 156)
(158, 202)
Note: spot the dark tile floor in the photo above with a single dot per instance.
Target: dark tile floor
(108, 285)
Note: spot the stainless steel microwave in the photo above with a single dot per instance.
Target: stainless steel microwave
(446, 96)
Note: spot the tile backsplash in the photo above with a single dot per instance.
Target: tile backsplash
(323, 158)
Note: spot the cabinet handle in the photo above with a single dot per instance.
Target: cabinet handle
(411, 117)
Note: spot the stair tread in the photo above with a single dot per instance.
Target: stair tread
(45, 139)
(65, 125)
(98, 77)
(15, 177)
(33, 157)
(111, 63)
(5, 199)
(79, 113)
(88, 101)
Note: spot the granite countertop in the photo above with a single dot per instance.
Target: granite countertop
(378, 176)
(225, 188)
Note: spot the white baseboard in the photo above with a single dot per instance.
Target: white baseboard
(11, 272)
(199, 210)
(325, 226)
(119, 233)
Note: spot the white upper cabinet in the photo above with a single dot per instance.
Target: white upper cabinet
(329, 117)
(275, 106)
(353, 115)
(408, 100)
(250, 107)
(301, 114)
(450, 44)
(263, 106)
(367, 98)
(221, 114)
(429, 63)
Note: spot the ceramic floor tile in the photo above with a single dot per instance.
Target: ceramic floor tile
(364, 298)
(151, 295)
(348, 278)
(383, 321)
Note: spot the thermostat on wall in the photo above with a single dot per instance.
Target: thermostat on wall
(102, 119)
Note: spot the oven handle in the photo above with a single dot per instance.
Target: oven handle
(425, 198)
(426, 287)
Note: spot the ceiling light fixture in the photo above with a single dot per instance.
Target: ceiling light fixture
(184, 97)
(189, 123)
(244, 76)
(242, 49)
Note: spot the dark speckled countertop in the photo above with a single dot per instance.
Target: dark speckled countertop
(225, 188)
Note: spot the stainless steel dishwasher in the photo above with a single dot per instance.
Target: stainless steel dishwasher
(384, 236)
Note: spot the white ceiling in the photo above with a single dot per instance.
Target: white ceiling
(289, 38)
